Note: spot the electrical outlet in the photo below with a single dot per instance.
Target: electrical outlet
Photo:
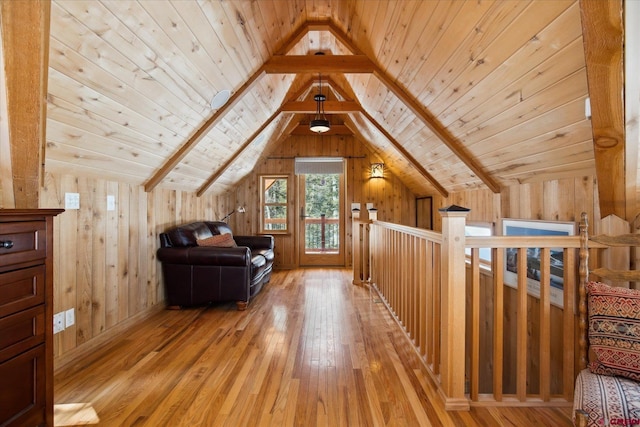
(58, 322)
(69, 317)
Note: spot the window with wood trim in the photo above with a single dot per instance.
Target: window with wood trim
(274, 198)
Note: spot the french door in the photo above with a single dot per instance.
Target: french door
(321, 223)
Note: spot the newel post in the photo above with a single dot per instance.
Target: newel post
(355, 245)
(373, 216)
(453, 307)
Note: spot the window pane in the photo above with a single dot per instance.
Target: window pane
(322, 204)
(275, 190)
(471, 230)
(322, 195)
(275, 217)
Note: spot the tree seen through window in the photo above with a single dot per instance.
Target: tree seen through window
(322, 204)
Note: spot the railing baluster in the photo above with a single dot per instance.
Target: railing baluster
(545, 324)
(323, 232)
(475, 324)
(413, 292)
(437, 308)
(521, 325)
(569, 316)
(497, 255)
(422, 297)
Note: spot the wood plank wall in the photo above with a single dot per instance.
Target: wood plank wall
(105, 263)
(394, 201)
(550, 200)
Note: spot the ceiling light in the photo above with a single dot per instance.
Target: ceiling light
(220, 99)
(320, 124)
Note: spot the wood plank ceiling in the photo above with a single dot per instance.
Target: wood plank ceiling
(453, 95)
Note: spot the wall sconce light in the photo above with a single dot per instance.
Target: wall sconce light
(377, 170)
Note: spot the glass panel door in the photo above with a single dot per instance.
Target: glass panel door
(321, 234)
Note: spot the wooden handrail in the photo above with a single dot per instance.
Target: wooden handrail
(412, 271)
(413, 231)
(408, 289)
(504, 242)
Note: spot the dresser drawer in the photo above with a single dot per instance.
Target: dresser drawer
(22, 242)
(22, 389)
(21, 289)
(21, 331)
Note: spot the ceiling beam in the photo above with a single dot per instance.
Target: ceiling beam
(25, 50)
(427, 118)
(173, 161)
(303, 89)
(338, 89)
(443, 191)
(330, 107)
(439, 130)
(335, 32)
(285, 129)
(324, 25)
(293, 40)
(311, 64)
(296, 129)
(237, 154)
(632, 104)
(303, 129)
(314, 64)
(603, 38)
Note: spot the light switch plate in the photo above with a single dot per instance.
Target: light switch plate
(72, 200)
(111, 202)
(69, 317)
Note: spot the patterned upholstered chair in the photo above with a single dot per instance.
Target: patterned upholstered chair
(608, 391)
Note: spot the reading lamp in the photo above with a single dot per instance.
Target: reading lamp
(240, 209)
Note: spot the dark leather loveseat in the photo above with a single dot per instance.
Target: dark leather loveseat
(197, 275)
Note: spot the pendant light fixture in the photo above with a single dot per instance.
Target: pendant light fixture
(319, 124)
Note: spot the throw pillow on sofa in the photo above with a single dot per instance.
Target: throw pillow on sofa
(219, 240)
(614, 330)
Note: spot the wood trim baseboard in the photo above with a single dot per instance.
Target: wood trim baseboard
(103, 339)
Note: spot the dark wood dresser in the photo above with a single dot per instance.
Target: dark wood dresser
(26, 317)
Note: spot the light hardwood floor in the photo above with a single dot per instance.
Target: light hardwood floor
(311, 350)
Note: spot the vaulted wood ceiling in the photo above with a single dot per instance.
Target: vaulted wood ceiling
(453, 95)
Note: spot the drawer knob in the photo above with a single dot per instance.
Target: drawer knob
(6, 244)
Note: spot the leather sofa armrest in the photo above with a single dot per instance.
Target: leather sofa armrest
(255, 242)
(206, 255)
(165, 242)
